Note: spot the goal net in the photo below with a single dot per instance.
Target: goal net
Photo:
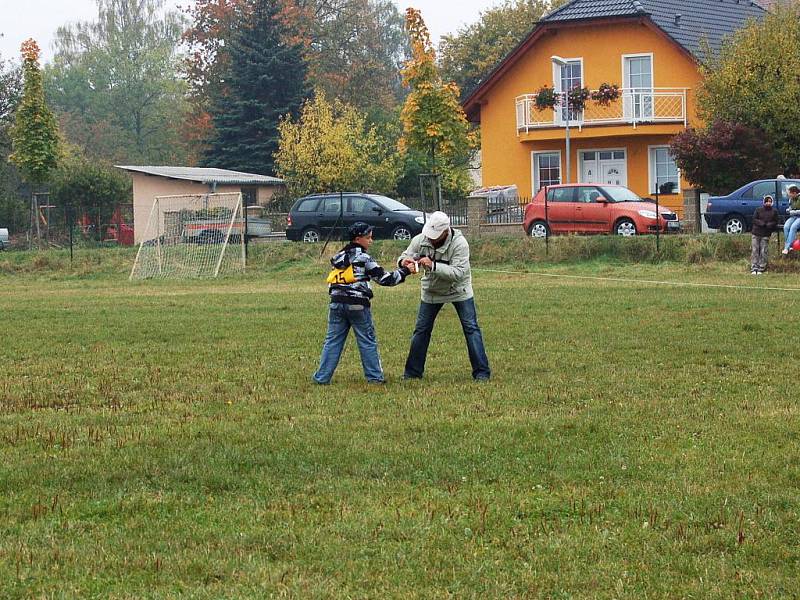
(195, 235)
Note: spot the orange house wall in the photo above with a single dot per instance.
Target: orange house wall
(507, 160)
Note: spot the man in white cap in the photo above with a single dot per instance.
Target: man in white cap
(443, 254)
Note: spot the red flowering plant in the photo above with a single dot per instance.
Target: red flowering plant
(606, 94)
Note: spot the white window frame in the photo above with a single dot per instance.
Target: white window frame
(557, 87)
(651, 170)
(535, 183)
(625, 84)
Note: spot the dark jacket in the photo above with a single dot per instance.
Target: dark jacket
(765, 221)
(354, 287)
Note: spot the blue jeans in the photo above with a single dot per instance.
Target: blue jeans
(790, 230)
(341, 317)
(421, 339)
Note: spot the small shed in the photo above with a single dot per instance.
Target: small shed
(151, 182)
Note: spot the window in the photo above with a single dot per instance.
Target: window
(249, 195)
(638, 78)
(664, 174)
(309, 205)
(546, 169)
(563, 194)
(571, 76)
(588, 194)
(759, 190)
(362, 205)
(331, 206)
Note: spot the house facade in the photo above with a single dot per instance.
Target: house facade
(650, 49)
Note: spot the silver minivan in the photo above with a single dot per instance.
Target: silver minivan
(3, 239)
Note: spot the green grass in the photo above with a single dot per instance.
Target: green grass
(163, 439)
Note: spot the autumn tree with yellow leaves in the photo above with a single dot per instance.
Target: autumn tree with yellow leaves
(331, 147)
(434, 124)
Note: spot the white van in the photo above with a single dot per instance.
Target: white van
(3, 239)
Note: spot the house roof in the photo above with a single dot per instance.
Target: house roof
(691, 24)
(205, 175)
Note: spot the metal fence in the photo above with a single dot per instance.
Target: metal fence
(504, 210)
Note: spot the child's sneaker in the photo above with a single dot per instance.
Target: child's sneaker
(785, 251)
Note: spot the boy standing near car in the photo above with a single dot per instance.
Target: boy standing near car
(350, 295)
(443, 253)
(765, 221)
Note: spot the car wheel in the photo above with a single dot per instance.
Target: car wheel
(311, 235)
(733, 224)
(625, 227)
(401, 232)
(539, 229)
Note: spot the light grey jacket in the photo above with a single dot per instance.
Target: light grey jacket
(450, 280)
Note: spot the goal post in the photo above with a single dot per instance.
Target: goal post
(193, 235)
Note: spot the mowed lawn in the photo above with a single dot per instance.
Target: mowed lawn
(163, 439)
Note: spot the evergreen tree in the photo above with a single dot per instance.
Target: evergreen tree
(266, 80)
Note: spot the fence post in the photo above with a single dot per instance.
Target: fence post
(476, 208)
(691, 211)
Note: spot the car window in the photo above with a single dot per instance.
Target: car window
(331, 205)
(618, 193)
(588, 194)
(308, 205)
(561, 194)
(760, 189)
(389, 203)
(359, 204)
(785, 187)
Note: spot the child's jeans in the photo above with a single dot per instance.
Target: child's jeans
(758, 255)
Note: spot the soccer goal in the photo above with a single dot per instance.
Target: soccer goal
(194, 235)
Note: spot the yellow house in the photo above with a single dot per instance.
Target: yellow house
(650, 49)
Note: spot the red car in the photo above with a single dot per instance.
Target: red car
(594, 208)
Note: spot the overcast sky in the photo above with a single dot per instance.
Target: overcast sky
(39, 19)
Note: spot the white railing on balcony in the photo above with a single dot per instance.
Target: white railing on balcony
(635, 106)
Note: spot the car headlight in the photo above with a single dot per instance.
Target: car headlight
(419, 220)
(648, 214)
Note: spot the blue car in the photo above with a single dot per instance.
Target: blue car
(734, 213)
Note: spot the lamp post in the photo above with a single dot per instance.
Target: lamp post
(560, 62)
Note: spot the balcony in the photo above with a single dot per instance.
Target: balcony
(634, 107)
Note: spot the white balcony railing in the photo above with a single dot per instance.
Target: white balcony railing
(635, 106)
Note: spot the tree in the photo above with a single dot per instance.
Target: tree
(467, 57)
(755, 82)
(723, 156)
(118, 75)
(34, 135)
(266, 80)
(434, 124)
(355, 49)
(332, 148)
(94, 189)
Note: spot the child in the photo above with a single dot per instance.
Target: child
(765, 221)
(350, 295)
(793, 222)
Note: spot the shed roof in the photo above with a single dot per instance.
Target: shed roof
(205, 175)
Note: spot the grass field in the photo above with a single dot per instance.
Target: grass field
(163, 439)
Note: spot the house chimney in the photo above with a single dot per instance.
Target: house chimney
(678, 20)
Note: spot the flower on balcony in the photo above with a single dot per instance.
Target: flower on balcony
(546, 98)
(606, 94)
(577, 97)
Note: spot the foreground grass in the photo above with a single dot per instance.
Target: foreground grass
(163, 439)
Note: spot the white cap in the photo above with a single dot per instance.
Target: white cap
(435, 225)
